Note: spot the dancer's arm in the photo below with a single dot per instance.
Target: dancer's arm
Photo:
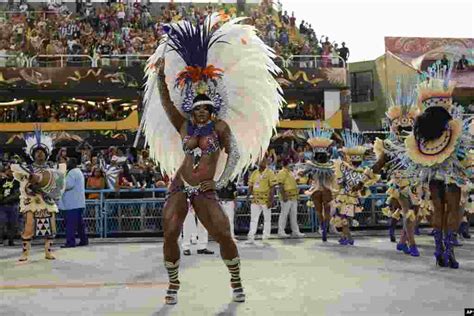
(377, 168)
(175, 117)
(229, 144)
(379, 149)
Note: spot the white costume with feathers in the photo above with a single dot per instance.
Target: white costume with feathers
(248, 84)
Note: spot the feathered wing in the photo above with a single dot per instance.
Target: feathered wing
(254, 96)
(160, 134)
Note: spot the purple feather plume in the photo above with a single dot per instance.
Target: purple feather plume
(192, 43)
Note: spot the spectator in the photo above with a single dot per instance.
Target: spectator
(292, 20)
(463, 63)
(87, 170)
(343, 53)
(335, 55)
(285, 18)
(73, 203)
(61, 157)
(95, 182)
(9, 200)
(445, 62)
(302, 28)
(125, 180)
(288, 153)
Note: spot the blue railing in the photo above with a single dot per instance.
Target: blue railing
(141, 211)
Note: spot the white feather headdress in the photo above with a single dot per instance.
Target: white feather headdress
(251, 97)
(39, 140)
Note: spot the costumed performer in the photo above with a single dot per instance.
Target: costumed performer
(351, 179)
(391, 155)
(467, 197)
(437, 147)
(323, 180)
(211, 88)
(41, 187)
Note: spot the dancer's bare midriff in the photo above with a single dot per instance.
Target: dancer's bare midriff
(204, 171)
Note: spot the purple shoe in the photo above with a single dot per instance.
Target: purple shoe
(343, 241)
(455, 242)
(350, 242)
(449, 251)
(403, 247)
(414, 251)
(324, 231)
(439, 253)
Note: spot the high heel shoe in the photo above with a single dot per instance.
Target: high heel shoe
(403, 247)
(449, 252)
(324, 231)
(439, 252)
(414, 251)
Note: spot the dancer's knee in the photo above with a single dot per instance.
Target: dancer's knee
(222, 236)
(171, 234)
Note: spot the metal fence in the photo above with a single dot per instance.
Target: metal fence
(110, 216)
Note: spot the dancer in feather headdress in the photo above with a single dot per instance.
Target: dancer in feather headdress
(467, 199)
(437, 148)
(321, 170)
(212, 104)
(351, 178)
(40, 188)
(391, 155)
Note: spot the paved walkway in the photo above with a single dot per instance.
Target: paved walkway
(282, 277)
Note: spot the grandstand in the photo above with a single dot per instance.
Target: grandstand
(81, 70)
(77, 70)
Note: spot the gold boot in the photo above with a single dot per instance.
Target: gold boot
(47, 249)
(26, 250)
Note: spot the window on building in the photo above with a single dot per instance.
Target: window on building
(362, 87)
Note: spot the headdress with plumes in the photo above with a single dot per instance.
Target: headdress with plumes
(192, 44)
(436, 87)
(38, 140)
(353, 145)
(231, 64)
(403, 111)
(320, 139)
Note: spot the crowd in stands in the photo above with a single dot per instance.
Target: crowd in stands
(126, 168)
(120, 29)
(56, 111)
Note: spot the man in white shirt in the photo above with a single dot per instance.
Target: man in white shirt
(73, 202)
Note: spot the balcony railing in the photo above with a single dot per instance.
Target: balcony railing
(14, 60)
(62, 61)
(18, 60)
(315, 61)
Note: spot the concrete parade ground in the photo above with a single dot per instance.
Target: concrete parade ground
(281, 277)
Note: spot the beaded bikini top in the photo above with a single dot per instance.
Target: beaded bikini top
(208, 140)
